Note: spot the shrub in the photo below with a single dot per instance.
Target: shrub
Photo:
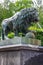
(21, 34)
(39, 33)
(11, 35)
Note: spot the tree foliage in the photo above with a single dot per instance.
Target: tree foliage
(9, 8)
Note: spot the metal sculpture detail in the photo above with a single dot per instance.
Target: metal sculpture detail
(20, 21)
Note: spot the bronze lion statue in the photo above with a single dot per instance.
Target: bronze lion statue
(20, 21)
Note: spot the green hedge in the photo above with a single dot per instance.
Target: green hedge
(39, 36)
(39, 33)
(0, 31)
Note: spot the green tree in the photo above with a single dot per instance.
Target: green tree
(18, 5)
(41, 16)
(1, 11)
(6, 4)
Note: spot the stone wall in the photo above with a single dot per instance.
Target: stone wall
(21, 55)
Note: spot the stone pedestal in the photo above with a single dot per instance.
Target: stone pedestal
(21, 54)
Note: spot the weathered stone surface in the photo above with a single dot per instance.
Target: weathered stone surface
(32, 58)
(20, 40)
(21, 53)
(25, 55)
(10, 58)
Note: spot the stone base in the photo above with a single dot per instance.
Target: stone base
(20, 40)
(21, 55)
(19, 51)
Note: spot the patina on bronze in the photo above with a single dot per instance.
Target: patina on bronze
(20, 21)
